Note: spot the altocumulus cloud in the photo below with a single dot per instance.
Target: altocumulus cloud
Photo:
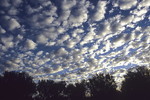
(73, 39)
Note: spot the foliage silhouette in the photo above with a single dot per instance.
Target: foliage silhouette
(102, 87)
(16, 86)
(136, 85)
(20, 86)
(50, 90)
(76, 91)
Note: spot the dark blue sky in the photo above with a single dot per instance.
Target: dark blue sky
(72, 39)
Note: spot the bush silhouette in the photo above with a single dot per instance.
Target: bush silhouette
(136, 85)
(16, 86)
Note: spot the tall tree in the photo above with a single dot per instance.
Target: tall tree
(50, 90)
(76, 91)
(102, 87)
(136, 85)
(16, 86)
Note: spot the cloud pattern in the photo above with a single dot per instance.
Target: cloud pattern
(73, 39)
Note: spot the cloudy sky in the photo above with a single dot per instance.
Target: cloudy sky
(73, 39)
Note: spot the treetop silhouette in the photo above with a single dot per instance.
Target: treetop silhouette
(102, 86)
(20, 86)
(49, 90)
(16, 86)
(136, 85)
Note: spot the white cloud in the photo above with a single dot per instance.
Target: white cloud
(19, 37)
(13, 24)
(29, 45)
(119, 76)
(50, 43)
(62, 52)
(100, 11)
(126, 4)
(93, 48)
(107, 46)
(127, 20)
(139, 14)
(105, 30)
(9, 23)
(118, 41)
(8, 42)
(92, 62)
(114, 25)
(50, 33)
(64, 15)
(51, 11)
(74, 13)
(78, 17)
(88, 37)
(88, 40)
(84, 50)
(2, 30)
(147, 30)
(31, 10)
(63, 39)
(147, 39)
(77, 56)
(39, 53)
(47, 20)
(60, 30)
(145, 3)
(71, 43)
(117, 27)
(57, 69)
(67, 5)
(41, 39)
(77, 32)
(13, 65)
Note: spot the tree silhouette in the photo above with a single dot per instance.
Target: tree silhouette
(50, 90)
(76, 91)
(136, 85)
(16, 86)
(20, 86)
(102, 87)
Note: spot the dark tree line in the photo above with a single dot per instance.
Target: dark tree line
(16, 86)
(20, 86)
(136, 85)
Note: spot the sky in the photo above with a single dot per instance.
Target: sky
(70, 40)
